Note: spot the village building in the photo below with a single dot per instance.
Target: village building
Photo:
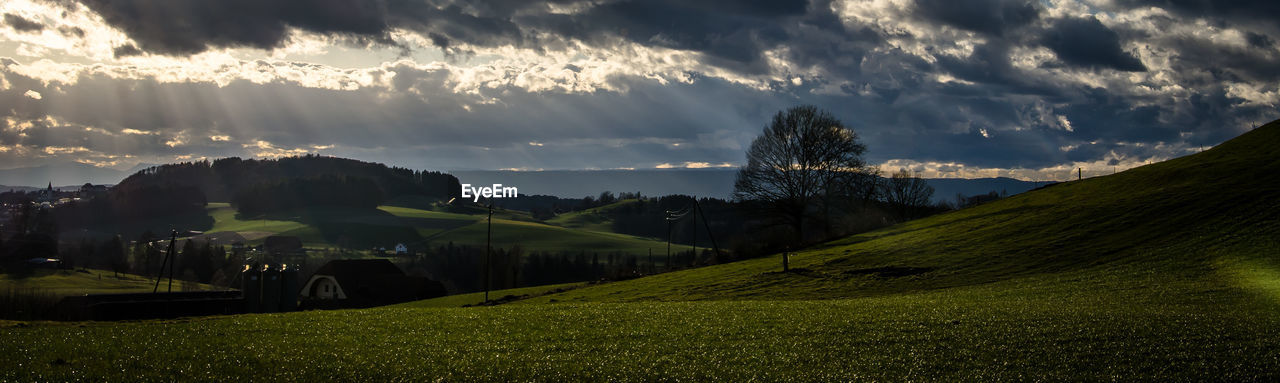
(47, 195)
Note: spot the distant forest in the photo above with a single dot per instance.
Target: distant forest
(222, 179)
(728, 225)
(254, 187)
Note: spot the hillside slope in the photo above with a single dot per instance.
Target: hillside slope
(417, 228)
(596, 218)
(1206, 215)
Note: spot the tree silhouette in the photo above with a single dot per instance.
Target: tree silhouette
(907, 191)
(800, 157)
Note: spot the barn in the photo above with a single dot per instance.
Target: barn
(351, 283)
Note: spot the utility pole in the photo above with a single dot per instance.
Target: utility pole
(1079, 174)
(668, 264)
(707, 225)
(694, 245)
(488, 248)
(173, 237)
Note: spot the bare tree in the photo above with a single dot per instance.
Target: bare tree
(866, 185)
(848, 192)
(908, 192)
(802, 154)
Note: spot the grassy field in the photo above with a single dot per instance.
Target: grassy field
(33, 295)
(471, 299)
(1031, 330)
(536, 236)
(388, 225)
(1167, 272)
(76, 282)
(594, 219)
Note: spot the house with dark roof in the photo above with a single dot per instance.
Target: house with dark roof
(351, 283)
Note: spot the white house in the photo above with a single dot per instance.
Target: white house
(323, 287)
(401, 249)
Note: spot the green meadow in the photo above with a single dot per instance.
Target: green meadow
(82, 281)
(388, 225)
(1167, 272)
(594, 219)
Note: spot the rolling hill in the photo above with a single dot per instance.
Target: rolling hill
(1167, 272)
(1189, 217)
(388, 225)
(596, 218)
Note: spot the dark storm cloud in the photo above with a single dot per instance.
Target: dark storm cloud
(21, 24)
(734, 32)
(993, 17)
(71, 31)
(1258, 40)
(1261, 10)
(1226, 63)
(191, 26)
(126, 50)
(1085, 42)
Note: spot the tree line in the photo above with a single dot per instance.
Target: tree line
(294, 193)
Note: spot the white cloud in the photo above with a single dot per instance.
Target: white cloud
(176, 141)
(32, 94)
(137, 132)
(64, 149)
(1059, 172)
(262, 148)
(694, 165)
(1065, 123)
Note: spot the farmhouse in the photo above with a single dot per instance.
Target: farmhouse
(365, 283)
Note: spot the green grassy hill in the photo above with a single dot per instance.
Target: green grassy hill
(1167, 272)
(595, 219)
(459, 300)
(388, 225)
(76, 282)
(1194, 217)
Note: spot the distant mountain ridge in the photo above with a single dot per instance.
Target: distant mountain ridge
(717, 183)
(66, 174)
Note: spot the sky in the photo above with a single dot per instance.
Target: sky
(1024, 89)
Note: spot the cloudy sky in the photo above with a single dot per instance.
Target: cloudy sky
(952, 89)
